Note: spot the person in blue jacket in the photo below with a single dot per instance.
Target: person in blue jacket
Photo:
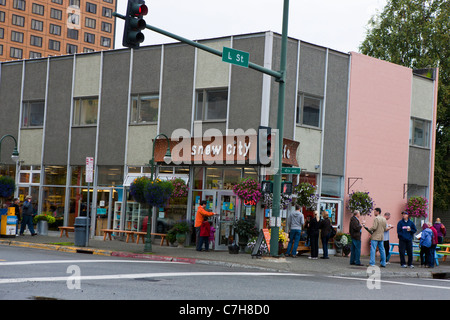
(405, 230)
(425, 245)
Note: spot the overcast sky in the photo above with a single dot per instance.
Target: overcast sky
(337, 24)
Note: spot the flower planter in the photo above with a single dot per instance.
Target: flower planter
(181, 238)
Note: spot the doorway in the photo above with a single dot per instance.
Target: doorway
(223, 203)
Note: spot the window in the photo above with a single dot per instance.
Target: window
(85, 111)
(36, 41)
(74, 18)
(18, 20)
(2, 16)
(211, 104)
(33, 114)
(37, 9)
(34, 55)
(309, 111)
(57, 1)
(107, 12)
(91, 8)
(90, 23)
(2, 2)
(74, 3)
(16, 53)
(144, 109)
(19, 4)
(1, 49)
(37, 25)
(89, 37)
(107, 27)
(87, 50)
(72, 33)
(30, 174)
(55, 14)
(419, 133)
(71, 48)
(2, 33)
(54, 45)
(17, 36)
(105, 42)
(55, 29)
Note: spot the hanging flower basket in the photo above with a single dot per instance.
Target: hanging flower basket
(417, 207)
(306, 195)
(360, 201)
(155, 193)
(180, 189)
(7, 186)
(248, 190)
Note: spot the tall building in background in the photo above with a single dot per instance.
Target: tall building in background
(42, 28)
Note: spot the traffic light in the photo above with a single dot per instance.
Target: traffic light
(264, 145)
(266, 187)
(134, 23)
(286, 187)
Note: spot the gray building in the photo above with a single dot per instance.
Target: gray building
(110, 105)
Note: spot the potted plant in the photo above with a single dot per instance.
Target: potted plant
(172, 236)
(361, 201)
(245, 229)
(417, 207)
(338, 244)
(282, 240)
(43, 220)
(155, 193)
(181, 228)
(263, 248)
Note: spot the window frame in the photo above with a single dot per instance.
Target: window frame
(135, 112)
(205, 101)
(426, 127)
(76, 121)
(26, 122)
(299, 120)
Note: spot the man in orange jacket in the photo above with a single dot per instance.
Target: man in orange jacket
(199, 217)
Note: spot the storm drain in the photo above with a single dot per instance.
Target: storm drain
(85, 251)
(441, 275)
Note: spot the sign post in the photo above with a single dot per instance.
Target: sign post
(89, 180)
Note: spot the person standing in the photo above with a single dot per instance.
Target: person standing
(314, 225)
(405, 230)
(425, 244)
(294, 225)
(440, 228)
(355, 234)
(377, 230)
(16, 206)
(325, 226)
(199, 217)
(27, 216)
(205, 230)
(434, 243)
(386, 239)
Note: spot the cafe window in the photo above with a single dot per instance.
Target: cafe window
(33, 114)
(30, 174)
(110, 176)
(85, 111)
(211, 104)
(55, 175)
(309, 111)
(420, 133)
(144, 109)
(78, 175)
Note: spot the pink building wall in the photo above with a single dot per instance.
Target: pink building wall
(378, 137)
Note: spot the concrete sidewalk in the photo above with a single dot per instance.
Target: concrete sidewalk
(336, 265)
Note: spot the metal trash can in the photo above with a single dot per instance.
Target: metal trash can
(81, 227)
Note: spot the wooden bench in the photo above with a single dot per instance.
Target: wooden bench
(109, 232)
(142, 235)
(66, 229)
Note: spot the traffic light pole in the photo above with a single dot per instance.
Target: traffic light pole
(280, 77)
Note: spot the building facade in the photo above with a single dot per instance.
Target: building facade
(35, 29)
(110, 105)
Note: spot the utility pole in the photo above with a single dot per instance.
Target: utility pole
(280, 77)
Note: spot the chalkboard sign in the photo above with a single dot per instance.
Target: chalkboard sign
(264, 235)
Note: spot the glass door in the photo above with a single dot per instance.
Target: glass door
(333, 209)
(226, 210)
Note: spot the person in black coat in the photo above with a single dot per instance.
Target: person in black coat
(325, 226)
(314, 226)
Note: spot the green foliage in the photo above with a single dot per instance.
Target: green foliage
(416, 34)
(44, 217)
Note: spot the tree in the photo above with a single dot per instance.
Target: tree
(416, 34)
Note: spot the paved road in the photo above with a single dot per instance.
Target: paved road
(28, 273)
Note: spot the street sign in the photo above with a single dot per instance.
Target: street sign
(239, 58)
(89, 169)
(290, 170)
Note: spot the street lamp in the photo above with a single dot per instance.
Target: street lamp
(167, 160)
(15, 153)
